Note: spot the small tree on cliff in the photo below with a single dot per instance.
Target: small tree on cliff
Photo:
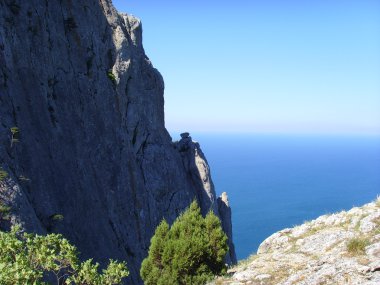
(28, 258)
(191, 251)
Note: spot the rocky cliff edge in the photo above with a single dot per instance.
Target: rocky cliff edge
(337, 249)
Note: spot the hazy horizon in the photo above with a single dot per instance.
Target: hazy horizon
(265, 66)
(194, 133)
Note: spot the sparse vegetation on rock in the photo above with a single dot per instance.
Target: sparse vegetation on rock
(356, 246)
(57, 217)
(111, 76)
(4, 211)
(3, 174)
(340, 248)
(15, 135)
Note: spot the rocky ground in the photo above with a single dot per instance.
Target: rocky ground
(341, 248)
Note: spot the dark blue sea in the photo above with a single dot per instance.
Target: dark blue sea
(278, 181)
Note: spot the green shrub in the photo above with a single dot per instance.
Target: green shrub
(57, 217)
(26, 258)
(111, 76)
(191, 251)
(3, 174)
(15, 130)
(356, 246)
(4, 211)
(15, 135)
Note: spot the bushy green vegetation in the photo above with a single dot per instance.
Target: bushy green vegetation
(27, 258)
(356, 246)
(191, 251)
(111, 76)
(3, 174)
(4, 211)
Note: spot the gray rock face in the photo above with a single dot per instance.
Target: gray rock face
(198, 171)
(225, 216)
(341, 248)
(91, 144)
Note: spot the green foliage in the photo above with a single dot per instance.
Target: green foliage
(191, 251)
(3, 174)
(114, 273)
(57, 217)
(356, 246)
(26, 258)
(15, 135)
(111, 76)
(4, 211)
(14, 130)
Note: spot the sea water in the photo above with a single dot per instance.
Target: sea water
(279, 181)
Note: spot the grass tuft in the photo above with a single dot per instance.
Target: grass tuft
(356, 246)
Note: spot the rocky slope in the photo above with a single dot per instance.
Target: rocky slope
(342, 248)
(83, 146)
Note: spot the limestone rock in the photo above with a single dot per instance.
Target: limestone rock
(198, 171)
(92, 144)
(317, 252)
(226, 218)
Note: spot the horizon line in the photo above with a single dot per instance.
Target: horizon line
(293, 133)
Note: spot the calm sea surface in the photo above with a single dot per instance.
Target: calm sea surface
(278, 181)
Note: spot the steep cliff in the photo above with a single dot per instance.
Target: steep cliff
(196, 166)
(83, 143)
(337, 249)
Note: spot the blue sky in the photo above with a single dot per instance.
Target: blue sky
(265, 66)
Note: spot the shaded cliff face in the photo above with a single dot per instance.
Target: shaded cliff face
(198, 170)
(90, 142)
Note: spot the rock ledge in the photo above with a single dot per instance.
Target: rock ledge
(341, 248)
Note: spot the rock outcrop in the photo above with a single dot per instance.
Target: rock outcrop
(337, 249)
(198, 171)
(225, 216)
(82, 132)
